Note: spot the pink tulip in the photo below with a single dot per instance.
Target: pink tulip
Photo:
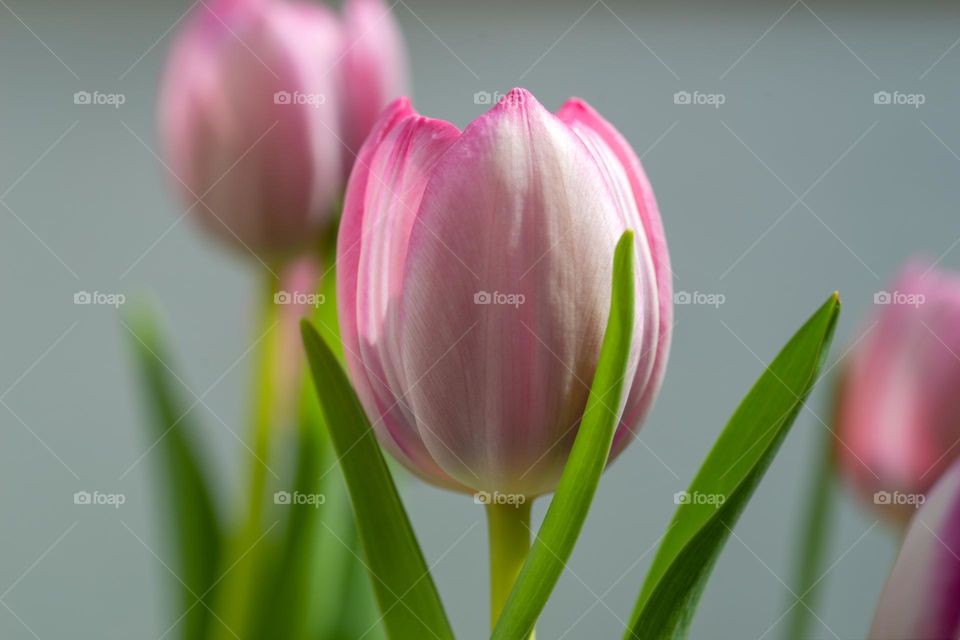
(252, 110)
(374, 68)
(921, 600)
(899, 408)
(474, 284)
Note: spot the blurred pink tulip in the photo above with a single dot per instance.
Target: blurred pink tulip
(374, 68)
(474, 284)
(252, 109)
(921, 600)
(898, 407)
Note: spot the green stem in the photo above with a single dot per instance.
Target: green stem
(509, 534)
(239, 584)
(263, 406)
(816, 525)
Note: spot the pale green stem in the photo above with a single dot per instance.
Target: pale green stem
(238, 586)
(809, 559)
(508, 528)
(265, 395)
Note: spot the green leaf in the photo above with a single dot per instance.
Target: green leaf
(194, 525)
(287, 601)
(588, 457)
(731, 472)
(405, 591)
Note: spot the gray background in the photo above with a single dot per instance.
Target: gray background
(85, 200)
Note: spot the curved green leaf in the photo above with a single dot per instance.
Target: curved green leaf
(405, 591)
(729, 475)
(193, 522)
(588, 457)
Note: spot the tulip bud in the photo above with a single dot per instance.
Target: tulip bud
(920, 600)
(374, 68)
(898, 418)
(249, 117)
(474, 287)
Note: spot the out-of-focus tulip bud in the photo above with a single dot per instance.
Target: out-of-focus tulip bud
(474, 286)
(920, 600)
(249, 117)
(297, 298)
(898, 412)
(374, 68)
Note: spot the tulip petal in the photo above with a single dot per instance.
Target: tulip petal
(380, 205)
(374, 67)
(639, 208)
(516, 207)
(921, 599)
(315, 30)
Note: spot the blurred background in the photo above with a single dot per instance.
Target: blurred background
(782, 175)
